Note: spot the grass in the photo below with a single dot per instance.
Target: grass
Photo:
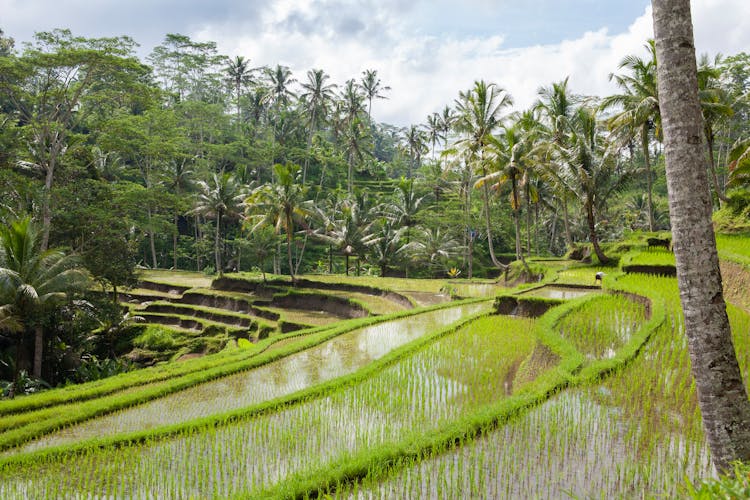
(735, 248)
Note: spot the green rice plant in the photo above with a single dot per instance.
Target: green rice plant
(604, 325)
(651, 257)
(735, 248)
(435, 384)
(280, 374)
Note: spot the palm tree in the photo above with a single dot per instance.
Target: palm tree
(434, 247)
(217, 201)
(239, 75)
(447, 120)
(416, 144)
(386, 243)
(479, 115)
(556, 105)
(722, 396)
(280, 205)
(31, 281)
(373, 89)
(716, 106)
(590, 169)
(434, 127)
(180, 181)
(345, 229)
(638, 110)
(316, 97)
(511, 150)
(280, 80)
(352, 101)
(356, 139)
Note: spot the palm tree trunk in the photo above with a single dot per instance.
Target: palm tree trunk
(174, 241)
(592, 232)
(38, 351)
(346, 258)
(486, 201)
(649, 181)
(566, 223)
(152, 245)
(197, 239)
(712, 168)
(217, 247)
(722, 396)
(46, 202)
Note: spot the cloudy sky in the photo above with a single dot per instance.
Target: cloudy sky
(427, 51)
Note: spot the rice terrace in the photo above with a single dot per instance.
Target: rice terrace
(224, 279)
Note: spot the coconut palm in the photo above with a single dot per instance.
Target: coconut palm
(316, 97)
(281, 205)
(434, 247)
(511, 151)
(386, 243)
(722, 396)
(478, 117)
(352, 101)
(590, 169)
(415, 142)
(218, 200)
(345, 229)
(556, 105)
(239, 75)
(716, 106)
(638, 110)
(373, 89)
(356, 139)
(32, 281)
(434, 128)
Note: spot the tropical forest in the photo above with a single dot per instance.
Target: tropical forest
(226, 280)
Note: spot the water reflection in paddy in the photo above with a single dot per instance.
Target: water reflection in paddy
(337, 357)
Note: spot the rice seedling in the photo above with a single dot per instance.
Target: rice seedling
(339, 356)
(430, 388)
(637, 433)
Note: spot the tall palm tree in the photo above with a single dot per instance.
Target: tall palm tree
(590, 171)
(716, 106)
(447, 120)
(478, 116)
(280, 81)
(722, 396)
(180, 180)
(281, 205)
(218, 200)
(638, 110)
(434, 128)
(356, 141)
(415, 140)
(511, 151)
(352, 101)
(239, 75)
(31, 281)
(373, 88)
(316, 97)
(556, 105)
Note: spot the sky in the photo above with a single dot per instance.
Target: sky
(426, 51)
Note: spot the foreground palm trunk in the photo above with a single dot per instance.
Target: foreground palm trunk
(721, 394)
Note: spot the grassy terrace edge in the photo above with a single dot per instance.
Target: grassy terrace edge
(571, 371)
(112, 402)
(269, 406)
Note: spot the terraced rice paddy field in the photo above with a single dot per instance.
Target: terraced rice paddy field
(387, 400)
